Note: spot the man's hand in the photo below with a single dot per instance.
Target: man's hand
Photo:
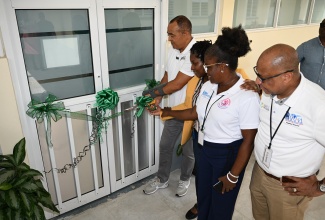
(250, 85)
(302, 186)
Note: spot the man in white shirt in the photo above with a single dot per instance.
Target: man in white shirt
(289, 145)
(177, 73)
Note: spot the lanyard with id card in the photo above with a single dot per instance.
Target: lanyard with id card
(201, 131)
(268, 151)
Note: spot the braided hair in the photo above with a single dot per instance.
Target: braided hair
(199, 48)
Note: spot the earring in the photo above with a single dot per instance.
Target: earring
(222, 71)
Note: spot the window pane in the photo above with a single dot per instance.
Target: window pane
(293, 12)
(57, 52)
(200, 12)
(318, 12)
(254, 13)
(130, 46)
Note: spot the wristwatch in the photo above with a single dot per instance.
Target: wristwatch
(321, 185)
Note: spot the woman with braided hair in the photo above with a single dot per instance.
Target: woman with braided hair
(228, 121)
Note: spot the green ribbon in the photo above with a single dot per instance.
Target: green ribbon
(106, 99)
(142, 102)
(151, 83)
(47, 110)
(179, 150)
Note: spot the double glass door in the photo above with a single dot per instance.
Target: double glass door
(73, 50)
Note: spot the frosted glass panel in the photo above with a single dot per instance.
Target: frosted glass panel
(202, 13)
(130, 46)
(254, 13)
(57, 52)
(318, 12)
(62, 151)
(293, 12)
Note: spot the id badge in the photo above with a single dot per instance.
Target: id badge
(201, 137)
(267, 156)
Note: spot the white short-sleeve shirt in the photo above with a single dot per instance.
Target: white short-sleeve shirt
(298, 146)
(229, 112)
(178, 62)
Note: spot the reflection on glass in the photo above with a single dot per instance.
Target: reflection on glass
(254, 13)
(130, 46)
(318, 12)
(202, 13)
(293, 12)
(57, 52)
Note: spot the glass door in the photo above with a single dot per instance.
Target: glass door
(57, 54)
(128, 40)
(72, 50)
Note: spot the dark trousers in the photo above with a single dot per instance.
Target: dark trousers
(197, 153)
(216, 160)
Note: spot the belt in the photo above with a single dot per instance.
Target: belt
(272, 176)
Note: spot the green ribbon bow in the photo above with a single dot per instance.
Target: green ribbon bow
(47, 110)
(106, 99)
(142, 102)
(151, 83)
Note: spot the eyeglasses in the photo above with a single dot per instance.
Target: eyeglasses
(213, 64)
(263, 79)
(322, 25)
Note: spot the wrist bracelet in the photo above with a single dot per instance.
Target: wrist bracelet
(233, 175)
(231, 180)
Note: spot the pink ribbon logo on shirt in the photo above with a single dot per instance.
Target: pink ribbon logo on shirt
(224, 103)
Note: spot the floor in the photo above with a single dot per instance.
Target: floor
(133, 204)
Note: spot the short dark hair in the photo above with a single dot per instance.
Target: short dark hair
(232, 44)
(199, 48)
(183, 23)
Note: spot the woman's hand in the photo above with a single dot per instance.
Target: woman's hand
(155, 112)
(227, 185)
(165, 111)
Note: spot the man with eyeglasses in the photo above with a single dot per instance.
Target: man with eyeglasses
(290, 142)
(312, 57)
(177, 74)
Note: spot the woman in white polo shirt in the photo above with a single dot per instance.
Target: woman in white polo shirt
(228, 121)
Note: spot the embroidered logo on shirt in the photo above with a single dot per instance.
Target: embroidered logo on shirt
(293, 119)
(205, 94)
(266, 107)
(224, 103)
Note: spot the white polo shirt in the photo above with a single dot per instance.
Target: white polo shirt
(298, 146)
(178, 62)
(229, 112)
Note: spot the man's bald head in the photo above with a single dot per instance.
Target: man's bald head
(280, 56)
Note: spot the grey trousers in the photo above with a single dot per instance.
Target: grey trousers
(171, 131)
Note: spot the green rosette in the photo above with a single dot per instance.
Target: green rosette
(106, 99)
(142, 102)
(48, 110)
